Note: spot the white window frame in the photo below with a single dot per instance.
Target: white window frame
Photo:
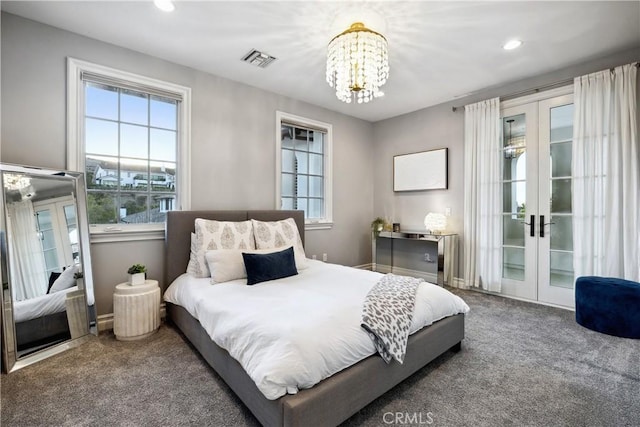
(281, 116)
(76, 148)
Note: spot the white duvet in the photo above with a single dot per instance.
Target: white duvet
(291, 333)
(43, 305)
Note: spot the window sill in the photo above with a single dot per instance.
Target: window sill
(110, 234)
(318, 226)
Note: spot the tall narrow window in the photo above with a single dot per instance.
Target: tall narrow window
(131, 142)
(304, 172)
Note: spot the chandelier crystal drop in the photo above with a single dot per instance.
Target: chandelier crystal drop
(357, 64)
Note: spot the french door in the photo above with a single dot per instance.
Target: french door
(537, 214)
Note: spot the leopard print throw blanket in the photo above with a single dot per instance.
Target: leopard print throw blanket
(387, 314)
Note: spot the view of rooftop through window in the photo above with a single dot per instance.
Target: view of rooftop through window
(130, 155)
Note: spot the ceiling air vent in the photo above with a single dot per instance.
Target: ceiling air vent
(259, 59)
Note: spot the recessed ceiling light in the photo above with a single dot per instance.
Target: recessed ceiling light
(164, 5)
(512, 44)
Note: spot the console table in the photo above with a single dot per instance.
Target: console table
(446, 260)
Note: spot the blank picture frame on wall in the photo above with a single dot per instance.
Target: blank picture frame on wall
(426, 170)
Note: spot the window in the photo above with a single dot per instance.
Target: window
(130, 135)
(303, 168)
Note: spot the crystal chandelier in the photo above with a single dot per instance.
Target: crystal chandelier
(357, 64)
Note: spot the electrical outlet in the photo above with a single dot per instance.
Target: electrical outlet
(324, 257)
(314, 256)
(447, 212)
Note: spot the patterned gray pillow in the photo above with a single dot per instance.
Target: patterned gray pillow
(211, 235)
(280, 234)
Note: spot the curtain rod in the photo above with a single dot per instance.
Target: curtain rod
(536, 89)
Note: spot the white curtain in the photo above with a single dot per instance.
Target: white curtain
(606, 183)
(482, 196)
(27, 265)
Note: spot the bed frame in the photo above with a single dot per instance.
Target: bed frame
(334, 399)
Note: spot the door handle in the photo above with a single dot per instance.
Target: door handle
(542, 224)
(532, 225)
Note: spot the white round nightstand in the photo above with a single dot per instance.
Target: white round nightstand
(136, 310)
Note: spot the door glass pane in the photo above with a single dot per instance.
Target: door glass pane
(513, 132)
(561, 195)
(72, 230)
(513, 263)
(513, 230)
(561, 269)
(561, 232)
(514, 195)
(514, 166)
(561, 121)
(561, 159)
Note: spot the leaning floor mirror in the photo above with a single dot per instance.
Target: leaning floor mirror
(47, 290)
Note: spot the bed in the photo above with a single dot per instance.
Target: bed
(335, 398)
(44, 319)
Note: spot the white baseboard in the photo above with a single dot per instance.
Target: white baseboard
(105, 321)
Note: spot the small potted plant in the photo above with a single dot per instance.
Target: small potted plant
(377, 225)
(137, 274)
(79, 276)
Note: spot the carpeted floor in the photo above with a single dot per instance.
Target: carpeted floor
(520, 364)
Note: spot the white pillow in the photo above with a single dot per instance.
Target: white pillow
(65, 280)
(211, 235)
(228, 264)
(193, 268)
(280, 235)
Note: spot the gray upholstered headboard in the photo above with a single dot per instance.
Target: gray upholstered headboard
(180, 225)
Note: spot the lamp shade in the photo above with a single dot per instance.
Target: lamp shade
(435, 222)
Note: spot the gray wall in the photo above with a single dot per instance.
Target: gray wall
(233, 154)
(438, 127)
(233, 146)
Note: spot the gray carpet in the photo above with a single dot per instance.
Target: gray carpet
(520, 364)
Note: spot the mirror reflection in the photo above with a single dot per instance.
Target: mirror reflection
(46, 283)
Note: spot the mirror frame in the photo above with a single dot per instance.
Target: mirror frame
(9, 346)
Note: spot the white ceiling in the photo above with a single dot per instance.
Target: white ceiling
(438, 50)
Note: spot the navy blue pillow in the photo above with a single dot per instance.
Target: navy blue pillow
(52, 278)
(271, 266)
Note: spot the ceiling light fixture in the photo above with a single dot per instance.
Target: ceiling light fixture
(357, 64)
(512, 44)
(164, 5)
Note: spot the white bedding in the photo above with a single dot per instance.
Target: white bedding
(291, 333)
(42, 305)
